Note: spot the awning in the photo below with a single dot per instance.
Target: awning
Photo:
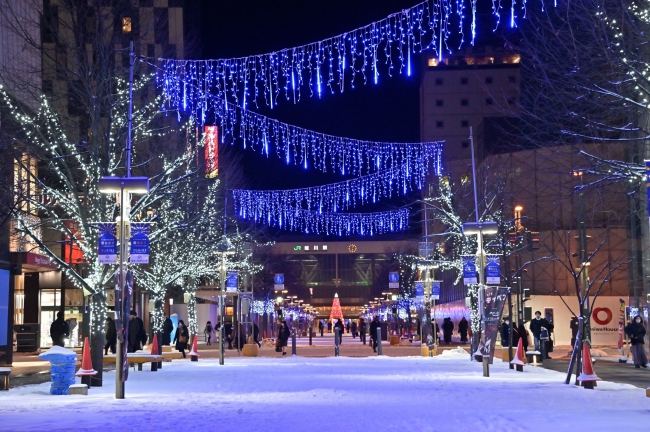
(32, 262)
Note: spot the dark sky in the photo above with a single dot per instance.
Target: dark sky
(388, 111)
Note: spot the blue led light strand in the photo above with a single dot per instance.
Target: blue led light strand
(331, 198)
(340, 224)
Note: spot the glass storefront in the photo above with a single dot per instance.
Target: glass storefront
(50, 304)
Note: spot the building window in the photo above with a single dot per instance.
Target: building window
(438, 81)
(440, 124)
(489, 101)
(464, 123)
(512, 79)
(439, 102)
(488, 80)
(464, 144)
(464, 80)
(126, 25)
(464, 102)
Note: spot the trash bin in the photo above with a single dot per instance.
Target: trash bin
(62, 365)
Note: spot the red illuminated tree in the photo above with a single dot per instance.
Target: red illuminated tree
(336, 309)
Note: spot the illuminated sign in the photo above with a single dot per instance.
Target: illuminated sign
(298, 247)
(211, 151)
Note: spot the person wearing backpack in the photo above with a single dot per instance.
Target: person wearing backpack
(207, 331)
(59, 330)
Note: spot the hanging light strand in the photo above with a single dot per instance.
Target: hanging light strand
(354, 56)
(340, 224)
(331, 198)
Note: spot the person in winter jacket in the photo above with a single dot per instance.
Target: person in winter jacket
(207, 331)
(536, 325)
(135, 333)
(321, 327)
(111, 336)
(182, 337)
(283, 336)
(462, 329)
(339, 325)
(353, 328)
(505, 333)
(59, 330)
(636, 331)
(362, 330)
(447, 329)
(168, 328)
(256, 335)
(374, 325)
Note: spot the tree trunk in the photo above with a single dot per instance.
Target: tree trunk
(97, 323)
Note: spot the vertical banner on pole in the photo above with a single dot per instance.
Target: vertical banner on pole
(435, 289)
(469, 270)
(647, 179)
(419, 290)
(621, 323)
(139, 243)
(494, 299)
(107, 243)
(232, 281)
(211, 151)
(493, 270)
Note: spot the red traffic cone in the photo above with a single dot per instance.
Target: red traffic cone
(518, 360)
(264, 334)
(587, 377)
(154, 345)
(194, 354)
(86, 362)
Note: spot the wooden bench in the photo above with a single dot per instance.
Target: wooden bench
(4, 378)
(138, 359)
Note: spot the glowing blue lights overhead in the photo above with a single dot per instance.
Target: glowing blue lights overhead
(341, 224)
(310, 149)
(331, 198)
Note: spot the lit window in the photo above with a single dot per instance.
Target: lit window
(126, 25)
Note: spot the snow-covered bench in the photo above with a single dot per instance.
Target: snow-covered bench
(139, 359)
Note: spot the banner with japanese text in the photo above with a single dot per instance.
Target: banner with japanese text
(469, 270)
(107, 243)
(139, 243)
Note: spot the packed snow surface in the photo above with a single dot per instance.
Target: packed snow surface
(442, 393)
(56, 350)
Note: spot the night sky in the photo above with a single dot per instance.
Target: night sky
(388, 111)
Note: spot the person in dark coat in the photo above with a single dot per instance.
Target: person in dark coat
(207, 331)
(353, 328)
(228, 331)
(462, 329)
(168, 328)
(362, 330)
(135, 333)
(182, 337)
(59, 330)
(505, 333)
(339, 325)
(283, 336)
(256, 335)
(636, 332)
(347, 326)
(111, 336)
(523, 335)
(536, 325)
(329, 326)
(447, 329)
(240, 337)
(321, 327)
(374, 325)
(573, 325)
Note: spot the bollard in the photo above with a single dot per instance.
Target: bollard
(293, 342)
(379, 341)
(336, 342)
(62, 368)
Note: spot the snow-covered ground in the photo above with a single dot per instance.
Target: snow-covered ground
(447, 393)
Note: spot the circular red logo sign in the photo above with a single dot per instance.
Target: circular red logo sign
(597, 314)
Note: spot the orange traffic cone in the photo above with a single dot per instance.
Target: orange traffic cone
(86, 370)
(519, 359)
(194, 354)
(587, 377)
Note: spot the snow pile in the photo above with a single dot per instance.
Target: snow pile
(325, 394)
(56, 350)
(598, 353)
(455, 353)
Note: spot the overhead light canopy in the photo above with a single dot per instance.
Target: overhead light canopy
(136, 185)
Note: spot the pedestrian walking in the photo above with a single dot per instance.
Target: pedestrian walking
(347, 326)
(256, 335)
(283, 336)
(181, 338)
(207, 331)
(463, 325)
(135, 333)
(505, 333)
(536, 325)
(339, 325)
(523, 335)
(447, 329)
(362, 330)
(111, 336)
(374, 325)
(636, 331)
(354, 327)
(329, 326)
(168, 328)
(59, 330)
(321, 327)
